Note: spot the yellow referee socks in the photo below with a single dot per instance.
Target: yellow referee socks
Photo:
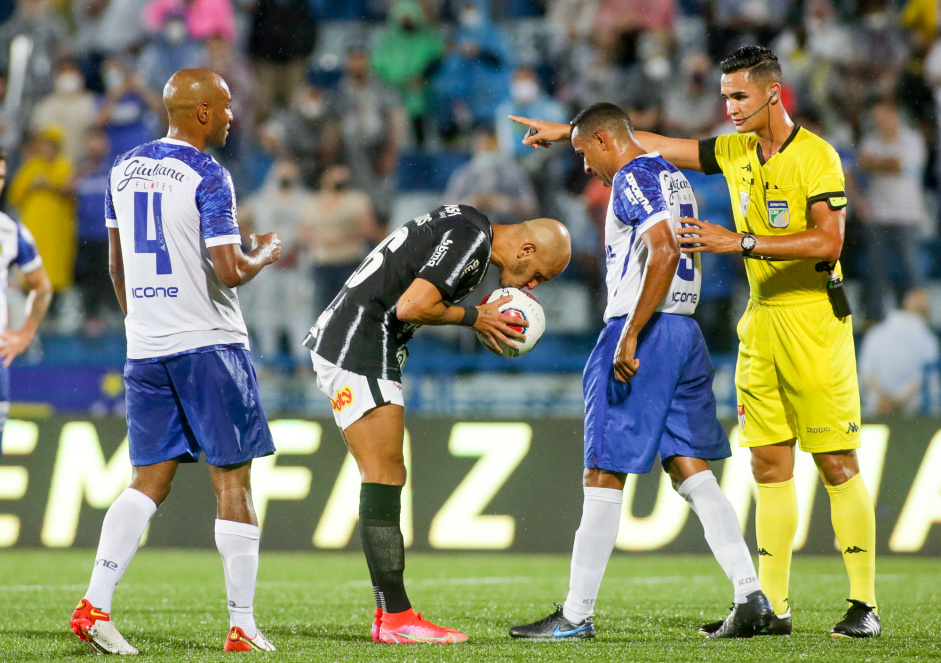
(854, 522)
(776, 525)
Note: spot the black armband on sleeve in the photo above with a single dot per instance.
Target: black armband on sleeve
(470, 316)
(707, 157)
(835, 199)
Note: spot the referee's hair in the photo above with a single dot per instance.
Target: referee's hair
(606, 116)
(760, 62)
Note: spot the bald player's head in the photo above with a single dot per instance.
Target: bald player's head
(198, 106)
(540, 250)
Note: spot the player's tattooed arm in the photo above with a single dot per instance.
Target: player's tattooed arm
(663, 257)
(234, 267)
(422, 304)
(116, 267)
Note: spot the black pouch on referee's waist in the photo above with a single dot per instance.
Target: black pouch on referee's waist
(835, 290)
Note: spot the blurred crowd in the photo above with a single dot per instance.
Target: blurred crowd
(351, 116)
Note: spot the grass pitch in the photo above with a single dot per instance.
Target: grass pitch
(318, 607)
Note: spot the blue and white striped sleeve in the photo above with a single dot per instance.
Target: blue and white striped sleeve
(638, 199)
(27, 255)
(215, 200)
(111, 219)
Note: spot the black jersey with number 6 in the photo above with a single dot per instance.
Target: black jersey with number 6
(359, 331)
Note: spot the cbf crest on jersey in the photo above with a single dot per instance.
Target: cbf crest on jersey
(778, 214)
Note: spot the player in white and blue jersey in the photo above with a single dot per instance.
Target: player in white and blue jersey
(18, 249)
(648, 381)
(175, 260)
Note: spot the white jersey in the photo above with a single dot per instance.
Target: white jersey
(17, 247)
(645, 192)
(172, 202)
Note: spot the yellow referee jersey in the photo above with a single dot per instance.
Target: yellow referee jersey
(773, 197)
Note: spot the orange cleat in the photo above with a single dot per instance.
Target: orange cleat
(95, 627)
(238, 641)
(410, 627)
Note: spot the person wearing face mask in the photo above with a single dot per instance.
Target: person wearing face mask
(203, 18)
(474, 76)
(407, 54)
(279, 296)
(170, 50)
(527, 98)
(127, 112)
(492, 183)
(70, 106)
(336, 229)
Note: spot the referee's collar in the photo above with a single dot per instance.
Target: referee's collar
(761, 156)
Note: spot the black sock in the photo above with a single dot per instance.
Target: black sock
(380, 508)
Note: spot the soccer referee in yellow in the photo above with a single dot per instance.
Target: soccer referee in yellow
(796, 371)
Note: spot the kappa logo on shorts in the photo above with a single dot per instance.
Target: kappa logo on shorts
(344, 398)
(852, 428)
(741, 416)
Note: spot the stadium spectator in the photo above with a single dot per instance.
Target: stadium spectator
(894, 356)
(202, 18)
(47, 33)
(373, 122)
(734, 23)
(103, 29)
(42, 195)
(407, 53)
(70, 106)
(474, 76)
(279, 297)
(493, 184)
(691, 107)
(127, 112)
(545, 168)
(337, 227)
(91, 260)
(170, 50)
(282, 36)
(636, 30)
(893, 155)
(309, 132)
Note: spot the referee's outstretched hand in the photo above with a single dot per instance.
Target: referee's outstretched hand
(542, 133)
(496, 327)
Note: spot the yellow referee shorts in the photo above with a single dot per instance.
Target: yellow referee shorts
(796, 376)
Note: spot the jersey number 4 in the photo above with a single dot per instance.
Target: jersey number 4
(157, 246)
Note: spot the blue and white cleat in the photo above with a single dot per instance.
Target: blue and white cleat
(555, 627)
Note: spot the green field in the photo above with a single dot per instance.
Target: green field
(318, 607)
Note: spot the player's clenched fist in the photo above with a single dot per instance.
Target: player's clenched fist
(625, 365)
(496, 327)
(267, 245)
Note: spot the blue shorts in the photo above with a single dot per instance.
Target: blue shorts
(668, 408)
(204, 400)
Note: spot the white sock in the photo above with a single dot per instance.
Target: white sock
(722, 530)
(123, 526)
(238, 545)
(594, 541)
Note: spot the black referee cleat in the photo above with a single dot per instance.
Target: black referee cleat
(861, 621)
(746, 619)
(780, 625)
(555, 627)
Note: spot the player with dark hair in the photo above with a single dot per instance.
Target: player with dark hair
(415, 277)
(648, 382)
(796, 371)
(176, 259)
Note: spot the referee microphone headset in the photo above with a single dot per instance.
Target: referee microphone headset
(763, 106)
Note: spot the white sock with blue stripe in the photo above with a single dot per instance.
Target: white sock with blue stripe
(722, 530)
(594, 542)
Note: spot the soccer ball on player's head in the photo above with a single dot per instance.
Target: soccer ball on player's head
(523, 306)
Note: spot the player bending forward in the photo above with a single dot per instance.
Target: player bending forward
(648, 382)
(414, 277)
(176, 258)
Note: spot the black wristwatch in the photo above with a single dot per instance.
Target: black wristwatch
(748, 244)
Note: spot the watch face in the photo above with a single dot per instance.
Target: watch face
(749, 242)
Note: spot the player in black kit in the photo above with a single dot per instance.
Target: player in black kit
(415, 277)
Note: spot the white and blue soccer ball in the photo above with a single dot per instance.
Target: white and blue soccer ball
(524, 306)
